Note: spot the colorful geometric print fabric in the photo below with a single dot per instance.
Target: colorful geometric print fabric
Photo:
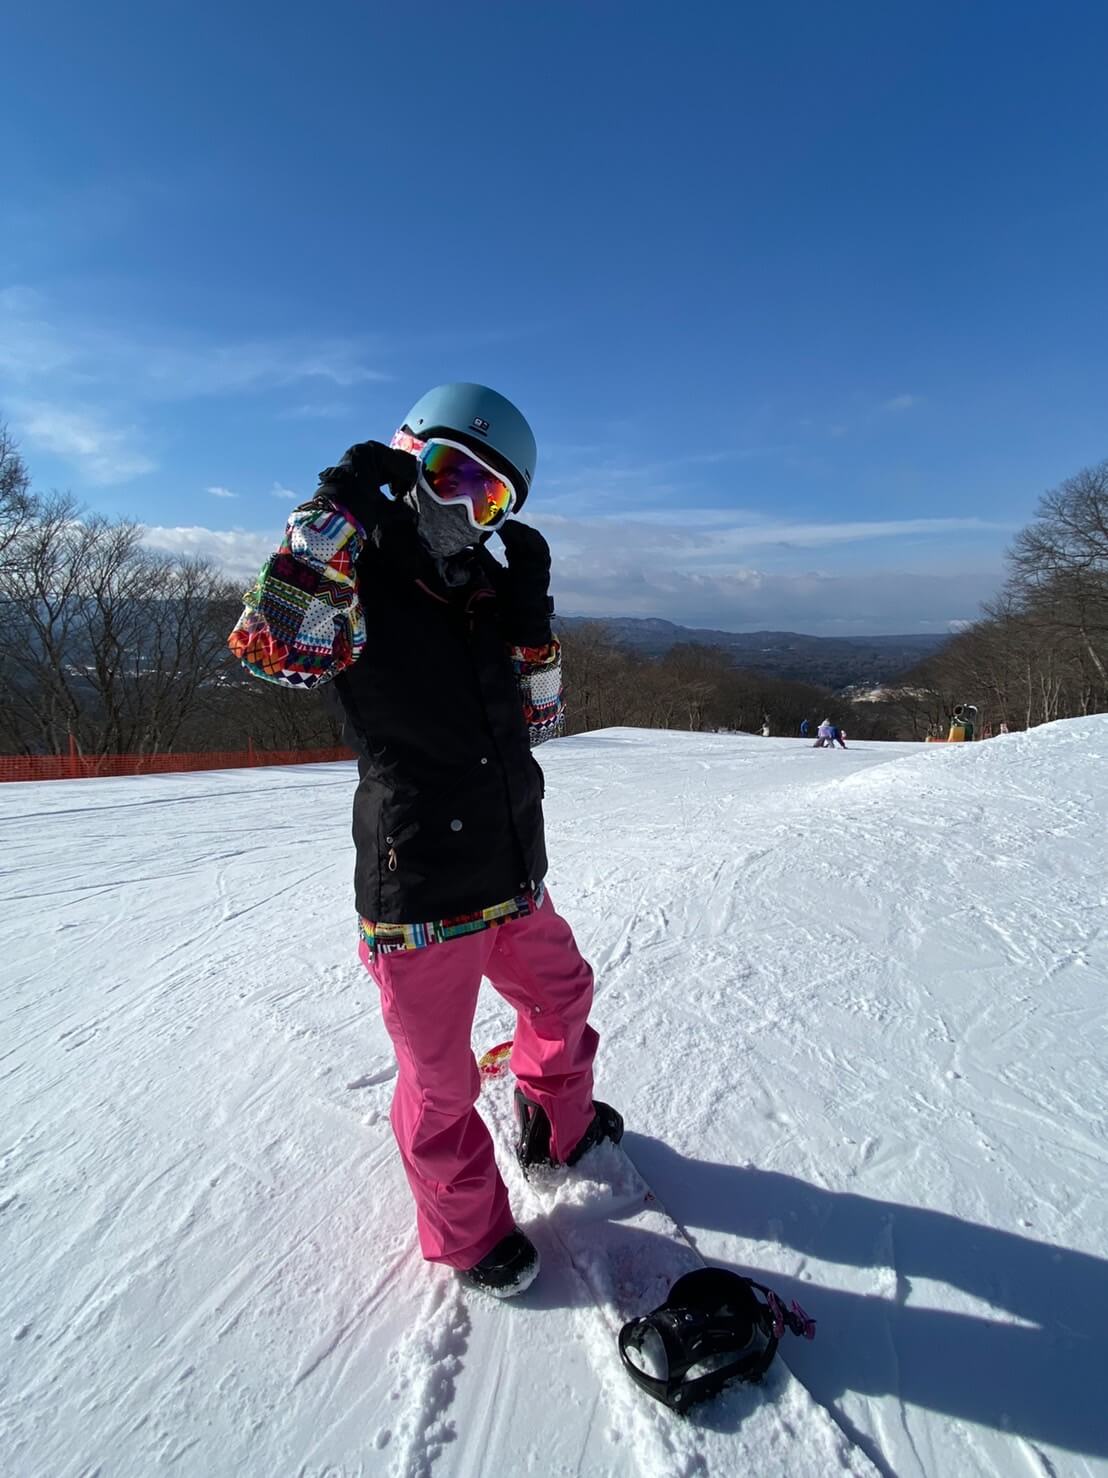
(302, 622)
(539, 672)
(387, 939)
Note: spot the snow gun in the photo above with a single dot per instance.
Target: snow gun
(963, 725)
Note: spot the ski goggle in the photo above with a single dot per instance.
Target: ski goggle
(453, 474)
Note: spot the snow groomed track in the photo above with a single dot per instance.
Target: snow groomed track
(852, 1007)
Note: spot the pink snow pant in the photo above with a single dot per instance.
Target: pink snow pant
(429, 997)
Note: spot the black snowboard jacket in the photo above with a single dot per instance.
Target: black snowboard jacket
(438, 704)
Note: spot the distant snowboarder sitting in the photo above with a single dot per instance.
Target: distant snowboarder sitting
(825, 735)
(448, 673)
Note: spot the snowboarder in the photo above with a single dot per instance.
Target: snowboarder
(824, 736)
(839, 736)
(448, 673)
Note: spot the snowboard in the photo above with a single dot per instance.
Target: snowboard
(625, 1251)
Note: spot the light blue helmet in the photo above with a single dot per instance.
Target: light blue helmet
(483, 419)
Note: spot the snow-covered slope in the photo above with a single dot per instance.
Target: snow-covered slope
(852, 1006)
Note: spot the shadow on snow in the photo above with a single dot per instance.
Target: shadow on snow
(1044, 1382)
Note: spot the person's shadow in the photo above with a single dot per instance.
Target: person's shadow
(1044, 1378)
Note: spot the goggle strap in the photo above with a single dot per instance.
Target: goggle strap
(794, 1319)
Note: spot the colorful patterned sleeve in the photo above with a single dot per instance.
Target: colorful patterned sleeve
(539, 670)
(302, 623)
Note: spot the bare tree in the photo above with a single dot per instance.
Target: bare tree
(16, 501)
(37, 643)
(592, 667)
(179, 652)
(1059, 564)
(103, 640)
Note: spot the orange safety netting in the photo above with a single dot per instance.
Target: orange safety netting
(75, 766)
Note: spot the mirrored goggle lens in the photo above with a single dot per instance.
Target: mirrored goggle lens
(452, 475)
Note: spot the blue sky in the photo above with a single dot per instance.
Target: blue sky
(806, 302)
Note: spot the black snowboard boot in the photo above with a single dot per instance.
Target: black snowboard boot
(508, 1269)
(533, 1139)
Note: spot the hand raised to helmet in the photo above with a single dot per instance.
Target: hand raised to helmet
(361, 472)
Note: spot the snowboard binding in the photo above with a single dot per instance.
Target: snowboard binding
(533, 1133)
(711, 1330)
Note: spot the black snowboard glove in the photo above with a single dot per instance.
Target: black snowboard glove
(360, 474)
(523, 588)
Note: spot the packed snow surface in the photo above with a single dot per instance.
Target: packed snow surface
(852, 1006)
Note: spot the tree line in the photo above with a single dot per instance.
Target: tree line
(1040, 650)
(124, 649)
(693, 687)
(121, 648)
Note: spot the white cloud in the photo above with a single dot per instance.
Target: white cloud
(820, 535)
(37, 339)
(235, 551)
(651, 573)
(901, 402)
(29, 346)
(712, 567)
(105, 454)
(322, 411)
(70, 380)
(752, 599)
(286, 495)
(218, 492)
(186, 370)
(696, 535)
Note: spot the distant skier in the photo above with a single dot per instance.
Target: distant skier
(825, 737)
(765, 729)
(839, 736)
(804, 728)
(448, 673)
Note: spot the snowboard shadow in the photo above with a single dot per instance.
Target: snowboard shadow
(1041, 1379)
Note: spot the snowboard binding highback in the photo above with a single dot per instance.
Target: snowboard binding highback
(533, 1132)
(712, 1329)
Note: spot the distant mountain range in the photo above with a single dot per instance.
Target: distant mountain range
(835, 662)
